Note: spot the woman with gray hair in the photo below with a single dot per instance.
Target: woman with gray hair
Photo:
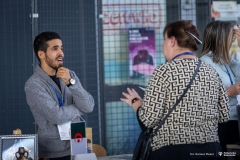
(218, 39)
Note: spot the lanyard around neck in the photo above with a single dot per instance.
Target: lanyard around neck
(229, 75)
(60, 101)
(182, 54)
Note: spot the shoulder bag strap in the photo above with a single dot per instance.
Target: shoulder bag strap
(185, 91)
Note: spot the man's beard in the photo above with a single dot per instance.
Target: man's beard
(50, 62)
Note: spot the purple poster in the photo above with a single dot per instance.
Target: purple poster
(142, 52)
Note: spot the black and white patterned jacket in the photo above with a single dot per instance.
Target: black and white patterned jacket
(196, 118)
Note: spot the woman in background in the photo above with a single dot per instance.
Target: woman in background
(218, 39)
(190, 131)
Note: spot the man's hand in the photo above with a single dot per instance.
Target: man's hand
(64, 74)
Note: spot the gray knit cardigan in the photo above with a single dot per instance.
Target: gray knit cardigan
(47, 113)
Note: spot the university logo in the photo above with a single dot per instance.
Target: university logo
(220, 153)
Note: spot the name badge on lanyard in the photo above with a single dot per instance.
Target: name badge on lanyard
(60, 101)
(229, 75)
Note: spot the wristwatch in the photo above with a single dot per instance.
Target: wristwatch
(71, 82)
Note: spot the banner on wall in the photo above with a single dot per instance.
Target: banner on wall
(117, 18)
(142, 52)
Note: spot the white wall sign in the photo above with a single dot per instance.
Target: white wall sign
(225, 6)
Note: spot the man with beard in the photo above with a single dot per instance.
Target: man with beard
(55, 96)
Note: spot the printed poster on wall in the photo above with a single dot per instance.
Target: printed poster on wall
(142, 52)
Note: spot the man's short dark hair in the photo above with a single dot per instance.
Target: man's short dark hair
(40, 42)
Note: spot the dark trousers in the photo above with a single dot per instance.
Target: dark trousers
(59, 158)
(228, 134)
(188, 152)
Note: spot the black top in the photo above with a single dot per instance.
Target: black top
(56, 80)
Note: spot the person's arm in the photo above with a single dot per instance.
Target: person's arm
(223, 105)
(233, 90)
(137, 104)
(235, 65)
(151, 112)
(237, 34)
(42, 102)
(81, 98)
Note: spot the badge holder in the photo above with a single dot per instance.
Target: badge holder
(78, 141)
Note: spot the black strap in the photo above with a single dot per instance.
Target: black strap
(185, 91)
